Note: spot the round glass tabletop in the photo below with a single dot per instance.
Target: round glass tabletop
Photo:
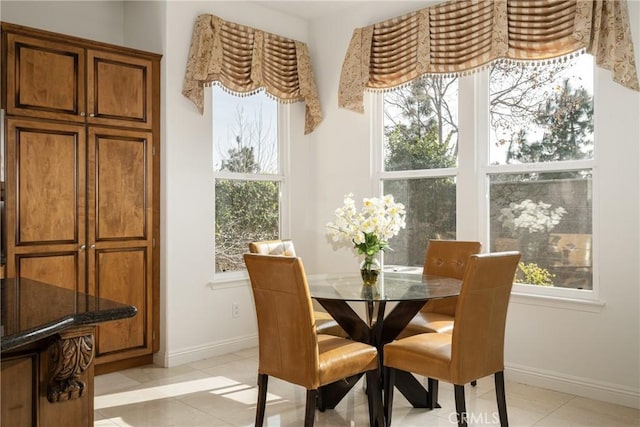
(391, 286)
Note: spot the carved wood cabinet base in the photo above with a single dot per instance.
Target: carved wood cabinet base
(69, 356)
(50, 383)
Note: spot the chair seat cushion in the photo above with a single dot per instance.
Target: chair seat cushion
(330, 327)
(341, 358)
(424, 354)
(325, 324)
(423, 323)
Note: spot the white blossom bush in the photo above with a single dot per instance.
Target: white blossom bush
(528, 217)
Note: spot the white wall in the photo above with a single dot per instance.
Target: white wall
(95, 20)
(144, 25)
(596, 353)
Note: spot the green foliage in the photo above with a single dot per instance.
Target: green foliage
(419, 115)
(371, 245)
(408, 151)
(567, 120)
(241, 159)
(532, 274)
(245, 211)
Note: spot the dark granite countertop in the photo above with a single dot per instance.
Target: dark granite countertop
(31, 311)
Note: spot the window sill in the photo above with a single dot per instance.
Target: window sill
(231, 280)
(591, 306)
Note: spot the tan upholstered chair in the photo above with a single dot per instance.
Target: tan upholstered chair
(273, 247)
(447, 258)
(290, 348)
(324, 322)
(475, 349)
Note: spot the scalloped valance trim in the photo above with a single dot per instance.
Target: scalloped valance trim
(244, 60)
(461, 37)
(516, 62)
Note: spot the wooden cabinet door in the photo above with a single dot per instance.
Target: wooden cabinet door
(45, 206)
(45, 79)
(119, 90)
(120, 235)
(19, 397)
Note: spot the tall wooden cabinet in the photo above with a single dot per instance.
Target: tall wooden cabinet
(81, 165)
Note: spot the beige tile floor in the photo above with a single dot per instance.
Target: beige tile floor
(221, 391)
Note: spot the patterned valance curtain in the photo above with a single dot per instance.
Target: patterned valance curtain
(244, 60)
(462, 36)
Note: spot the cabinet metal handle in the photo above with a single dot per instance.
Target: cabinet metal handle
(93, 246)
(92, 115)
(82, 248)
(82, 114)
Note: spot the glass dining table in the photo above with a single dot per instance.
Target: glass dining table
(405, 292)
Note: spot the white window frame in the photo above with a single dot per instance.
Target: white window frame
(472, 185)
(284, 143)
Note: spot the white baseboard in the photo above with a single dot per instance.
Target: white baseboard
(194, 354)
(585, 387)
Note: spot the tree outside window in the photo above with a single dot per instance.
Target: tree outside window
(540, 163)
(420, 159)
(247, 174)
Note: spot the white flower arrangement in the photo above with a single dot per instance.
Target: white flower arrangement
(529, 217)
(370, 229)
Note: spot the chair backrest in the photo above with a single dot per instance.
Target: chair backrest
(287, 340)
(273, 247)
(477, 348)
(447, 258)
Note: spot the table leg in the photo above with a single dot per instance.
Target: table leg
(379, 332)
(412, 390)
(331, 394)
(348, 319)
(399, 318)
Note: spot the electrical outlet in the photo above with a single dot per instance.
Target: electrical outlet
(235, 310)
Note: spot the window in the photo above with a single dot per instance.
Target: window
(419, 161)
(541, 169)
(248, 173)
(536, 163)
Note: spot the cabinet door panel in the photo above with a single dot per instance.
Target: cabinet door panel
(120, 186)
(63, 269)
(119, 90)
(46, 167)
(18, 406)
(123, 275)
(45, 79)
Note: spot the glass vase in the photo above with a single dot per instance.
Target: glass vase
(369, 270)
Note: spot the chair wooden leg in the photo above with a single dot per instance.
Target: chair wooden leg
(263, 379)
(389, 384)
(374, 395)
(461, 408)
(502, 398)
(432, 385)
(310, 409)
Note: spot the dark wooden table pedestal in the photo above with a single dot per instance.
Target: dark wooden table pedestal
(379, 332)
